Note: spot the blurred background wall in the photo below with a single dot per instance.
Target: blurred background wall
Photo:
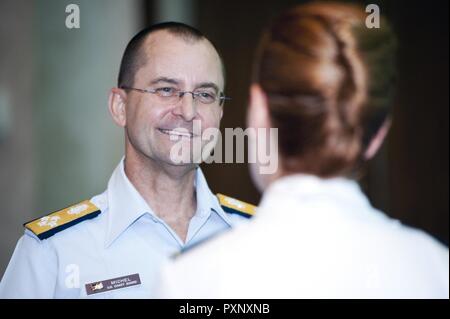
(58, 144)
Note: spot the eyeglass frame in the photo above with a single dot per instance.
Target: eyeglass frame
(180, 93)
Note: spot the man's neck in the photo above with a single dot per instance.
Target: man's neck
(168, 189)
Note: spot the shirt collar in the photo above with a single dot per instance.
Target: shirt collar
(207, 202)
(126, 205)
(303, 188)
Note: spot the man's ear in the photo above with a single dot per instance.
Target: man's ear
(377, 140)
(117, 106)
(258, 110)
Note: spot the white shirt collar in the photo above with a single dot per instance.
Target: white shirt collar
(301, 189)
(206, 200)
(126, 205)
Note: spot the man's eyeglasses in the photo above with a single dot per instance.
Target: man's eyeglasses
(172, 95)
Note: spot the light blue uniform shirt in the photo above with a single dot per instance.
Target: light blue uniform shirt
(126, 238)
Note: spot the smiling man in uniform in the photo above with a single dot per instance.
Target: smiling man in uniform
(111, 245)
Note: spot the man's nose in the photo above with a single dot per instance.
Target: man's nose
(187, 106)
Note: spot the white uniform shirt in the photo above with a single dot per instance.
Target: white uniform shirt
(313, 238)
(125, 239)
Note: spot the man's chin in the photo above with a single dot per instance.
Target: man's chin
(181, 161)
(185, 153)
(184, 162)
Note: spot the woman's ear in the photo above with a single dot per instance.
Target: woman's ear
(377, 140)
(117, 106)
(258, 110)
(263, 170)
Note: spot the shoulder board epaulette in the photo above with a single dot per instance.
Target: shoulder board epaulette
(46, 226)
(234, 206)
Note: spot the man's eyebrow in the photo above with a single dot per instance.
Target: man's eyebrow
(205, 85)
(202, 85)
(164, 79)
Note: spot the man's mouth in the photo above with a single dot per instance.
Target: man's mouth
(176, 133)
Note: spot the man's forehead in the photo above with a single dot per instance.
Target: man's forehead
(161, 36)
(162, 42)
(164, 53)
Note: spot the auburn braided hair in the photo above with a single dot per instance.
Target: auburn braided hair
(319, 66)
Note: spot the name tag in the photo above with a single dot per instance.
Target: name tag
(113, 284)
